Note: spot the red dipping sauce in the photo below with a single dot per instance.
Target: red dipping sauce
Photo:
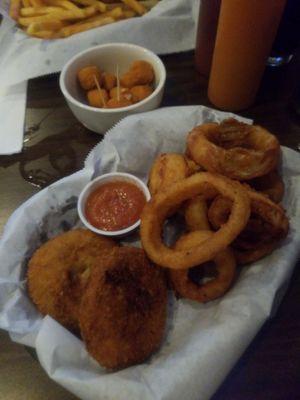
(114, 205)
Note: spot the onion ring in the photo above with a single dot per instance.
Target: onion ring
(267, 225)
(234, 149)
(270, 185)
(158, 208)
(195, 214)
(218, 211)
(225, 264)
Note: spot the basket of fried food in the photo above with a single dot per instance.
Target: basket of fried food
(54, 19)
(225, 191)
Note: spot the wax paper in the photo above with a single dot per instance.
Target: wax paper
(12, 104)
(202, 342)
(168, 28)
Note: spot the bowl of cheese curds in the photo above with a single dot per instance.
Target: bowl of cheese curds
(106, 83)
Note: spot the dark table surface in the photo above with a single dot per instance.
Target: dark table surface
(55, 145)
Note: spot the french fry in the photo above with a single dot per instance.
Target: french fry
(128, 14)
(26, 21)
(36, 3)
(84, 2)
(116, 13)
(26, 3)
(75, 14)
(14, 9)
(98, 4)
(68, 5)
(45, 34)
(148, 4)
(76, 28)
(44, 26)
(32, 11)
(136, 6)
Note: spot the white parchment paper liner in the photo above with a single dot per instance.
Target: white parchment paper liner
(12, 104)
(203, 341)
(168, 28)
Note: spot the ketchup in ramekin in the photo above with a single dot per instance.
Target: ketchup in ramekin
(111, 204)
(114, 205)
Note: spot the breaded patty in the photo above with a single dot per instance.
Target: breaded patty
(123, 310)
(59, 270)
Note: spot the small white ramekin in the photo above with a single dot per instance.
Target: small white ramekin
(95, 183)
(107, 57)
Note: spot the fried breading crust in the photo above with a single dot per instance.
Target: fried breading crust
(123, 310)
(167, 169)
(58, 272)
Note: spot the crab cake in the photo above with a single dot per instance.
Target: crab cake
(123, 310)
(59, 270)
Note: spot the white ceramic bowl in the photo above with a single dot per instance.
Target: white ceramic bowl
(95, 183)
(107, 57)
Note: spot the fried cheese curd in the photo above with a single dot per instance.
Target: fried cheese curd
(117, 92)
(87, 75)
(59, 270)
(97, 98)
(140, 92)
(123, 310)
(109, 80)
(119, 97)
(140, 73)
(118, 103)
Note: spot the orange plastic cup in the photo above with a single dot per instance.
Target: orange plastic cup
(206, 34)
(245, 34)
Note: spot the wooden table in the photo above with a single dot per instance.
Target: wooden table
(55, 145)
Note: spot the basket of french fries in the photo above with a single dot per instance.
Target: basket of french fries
(38, 37)
(53, 19)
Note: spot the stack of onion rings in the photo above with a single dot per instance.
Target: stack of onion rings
(219, 211)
